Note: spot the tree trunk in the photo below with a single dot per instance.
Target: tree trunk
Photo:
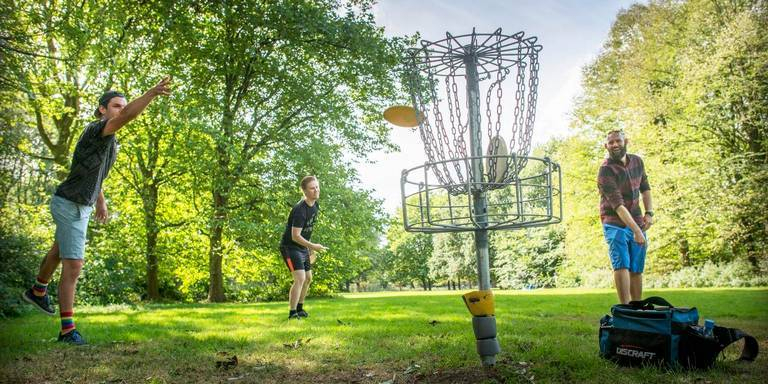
(150, 225)
(684, 258)
(215, 256)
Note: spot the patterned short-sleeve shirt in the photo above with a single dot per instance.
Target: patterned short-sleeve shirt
(93, 158)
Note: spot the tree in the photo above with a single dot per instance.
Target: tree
(412, 252)
(269, 75)
(453, 258)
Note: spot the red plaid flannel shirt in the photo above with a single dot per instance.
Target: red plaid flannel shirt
(621, 185)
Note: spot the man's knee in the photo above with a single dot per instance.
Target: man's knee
(299, 277)
(54, 251)
(71, 268)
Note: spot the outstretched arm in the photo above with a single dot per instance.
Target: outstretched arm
(136, 106)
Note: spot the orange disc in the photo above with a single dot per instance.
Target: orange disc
(403, 116)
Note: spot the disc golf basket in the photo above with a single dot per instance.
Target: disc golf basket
(478, 176)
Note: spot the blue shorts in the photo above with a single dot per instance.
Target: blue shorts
(623, 251)
(71, 225)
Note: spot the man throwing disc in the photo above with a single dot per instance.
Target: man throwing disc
(74, 200)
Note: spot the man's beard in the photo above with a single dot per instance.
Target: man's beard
(619, 154)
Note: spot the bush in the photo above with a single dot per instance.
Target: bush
(21, 255)
(738, 273)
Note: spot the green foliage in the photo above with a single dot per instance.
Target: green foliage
(737, 273)
(275, 91)
(528, 258)
(453, 258)
(686, 82)
(18, 251)
(411, 253)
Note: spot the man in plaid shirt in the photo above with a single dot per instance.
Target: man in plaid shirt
(621, 181)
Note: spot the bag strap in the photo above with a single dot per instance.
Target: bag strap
(727, 336)
(649, 302)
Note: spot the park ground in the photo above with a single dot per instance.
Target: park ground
(547, 336)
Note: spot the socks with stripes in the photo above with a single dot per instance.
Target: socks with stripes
(40, 287)
(67, 322)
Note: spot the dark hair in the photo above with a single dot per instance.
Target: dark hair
(616, 132)
(306, 180)
(104, 100)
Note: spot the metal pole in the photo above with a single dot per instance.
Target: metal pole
(480, 203)
(484, 327)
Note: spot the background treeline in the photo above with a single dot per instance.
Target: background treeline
(266, 92)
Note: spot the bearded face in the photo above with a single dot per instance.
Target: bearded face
(618, 153)
(616, 146)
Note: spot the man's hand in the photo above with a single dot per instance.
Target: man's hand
(647, 222)
(639, 238)
(136, 106)
(317, 247)
(101, 212)
(162, 88)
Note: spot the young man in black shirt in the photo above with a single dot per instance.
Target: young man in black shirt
(74, 200)
(296, 248)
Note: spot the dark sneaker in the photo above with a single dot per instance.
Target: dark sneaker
(72, 337)
(42, 303)
(302, 313)
(294, 316)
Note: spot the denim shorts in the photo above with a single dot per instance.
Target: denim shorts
(71, 225)
(623, 251)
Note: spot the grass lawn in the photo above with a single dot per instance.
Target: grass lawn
(547, 336)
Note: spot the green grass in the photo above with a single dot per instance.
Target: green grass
(549, 335)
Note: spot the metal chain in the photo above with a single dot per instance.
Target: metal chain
(446, 141)
(533, 84)
(517, 126)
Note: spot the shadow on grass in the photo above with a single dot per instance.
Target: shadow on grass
(550, 337)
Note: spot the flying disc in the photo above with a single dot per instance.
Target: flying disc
(403, 116)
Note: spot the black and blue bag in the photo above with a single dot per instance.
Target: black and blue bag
(654, 332)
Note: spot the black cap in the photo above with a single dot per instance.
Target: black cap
(104, 100)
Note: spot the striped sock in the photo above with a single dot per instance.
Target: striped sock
(67, 322)
(40, 287)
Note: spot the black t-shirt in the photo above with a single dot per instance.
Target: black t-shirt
(302, 216)
(93, 158)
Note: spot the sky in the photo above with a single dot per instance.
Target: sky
(570, 31)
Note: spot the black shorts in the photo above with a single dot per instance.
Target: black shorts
(295, 258)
